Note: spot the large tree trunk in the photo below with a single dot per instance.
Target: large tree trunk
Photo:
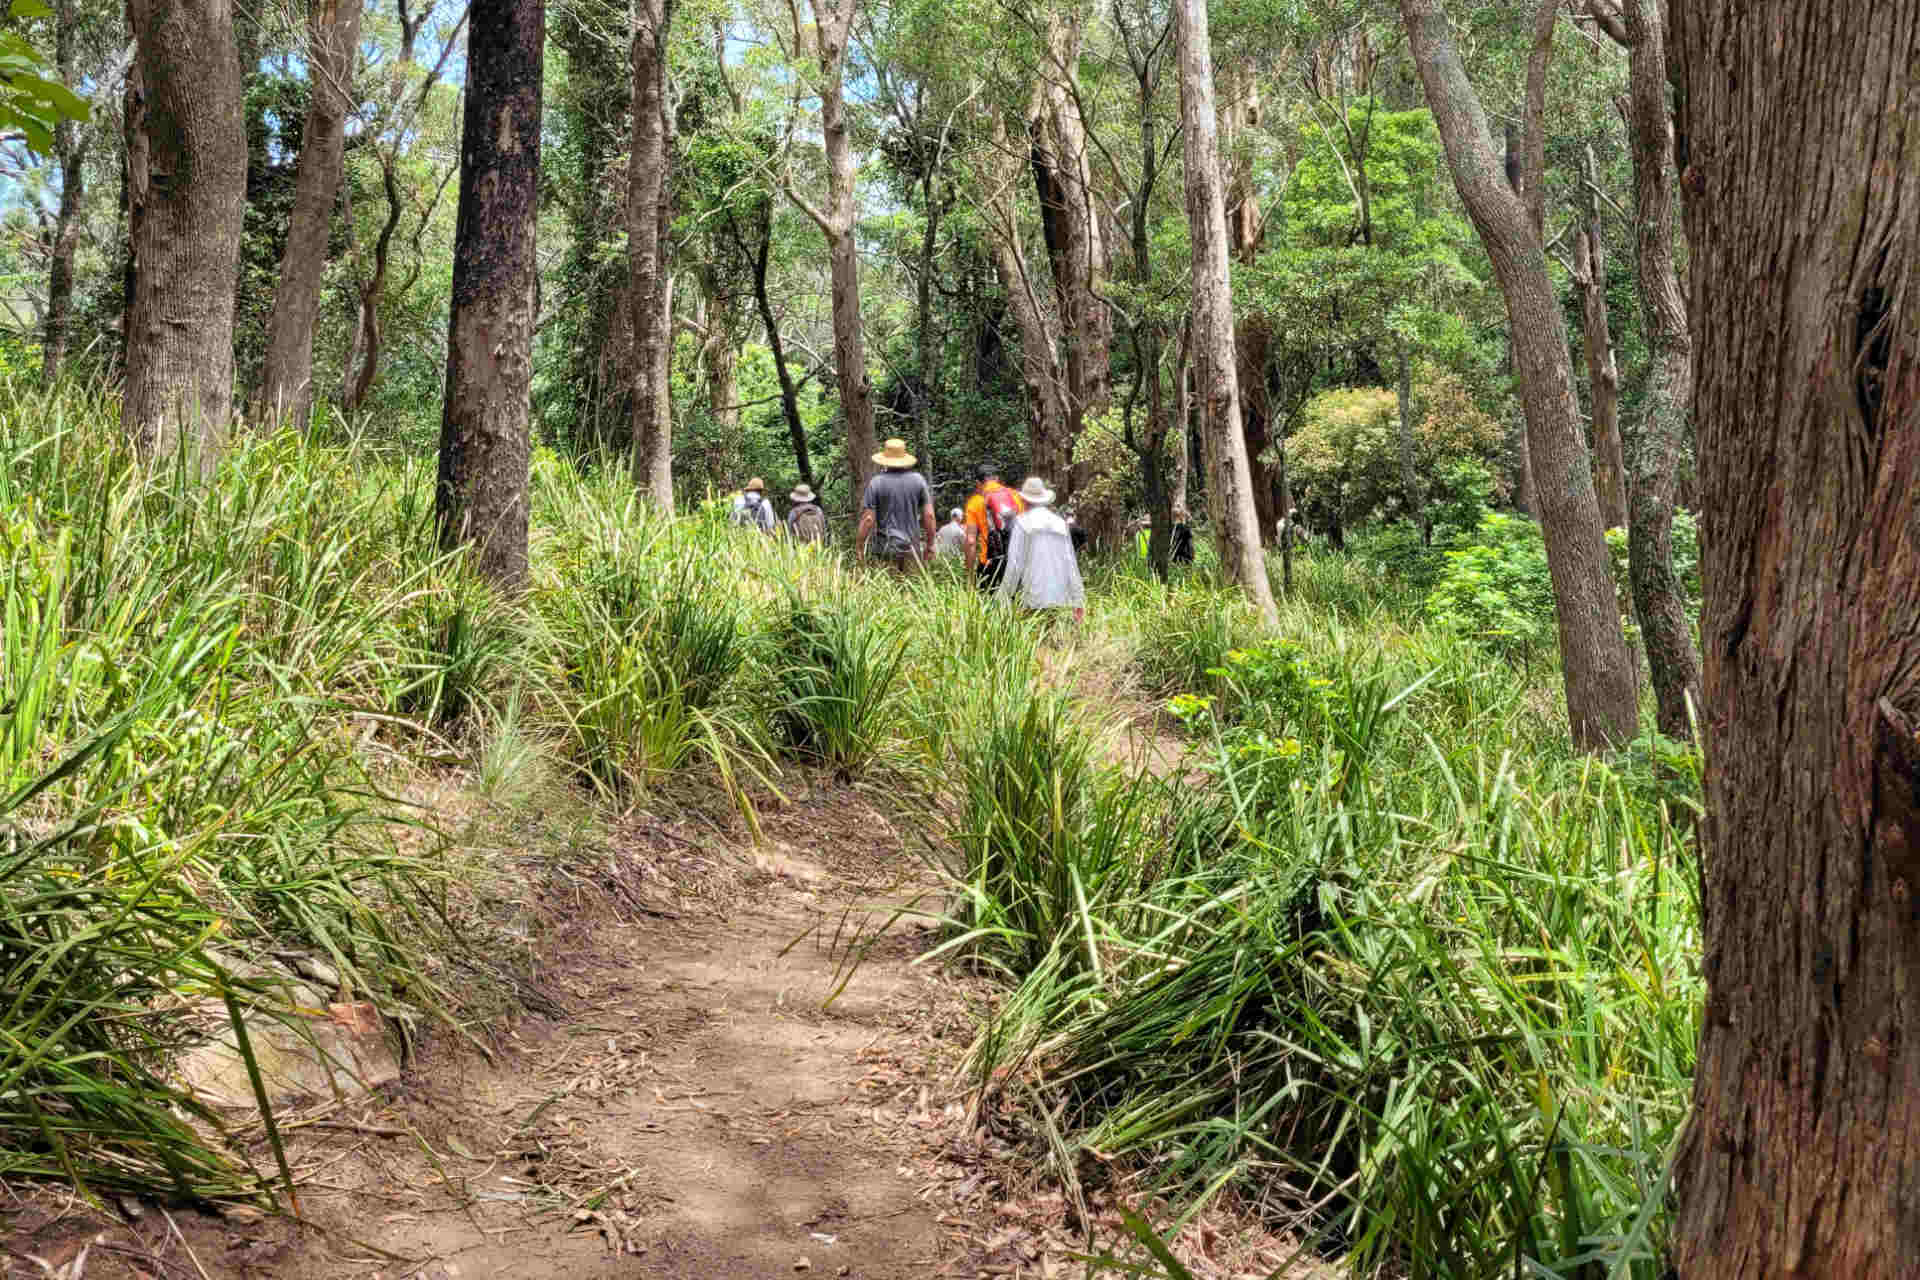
(482, 494)
(650, 293)
(1603, 375)
(187, 181)
(333, 43)
(1602, 702)
(1231, 481)
(833, 26)
(1653, 441)
(1076, 249)
(70, 145)
(1802, 1157)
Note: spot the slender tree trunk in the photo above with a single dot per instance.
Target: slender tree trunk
(925, 393)
(187, 175)
(70, 145)
(1653, 441)
(482, 493)
(363, 356)
(789, 393)
(650, 293)
(1801, 1157)
(1213, 351)
(1040, 372)
(1602, 702)
(333, 44)
(1603, 375)
(1182, 427)
(833, 26)
(656, 443)
(1409, 474)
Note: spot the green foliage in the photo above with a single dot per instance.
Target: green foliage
(1497, 589)
(1344, 460)
(32, 102)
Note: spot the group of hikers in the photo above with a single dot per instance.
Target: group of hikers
(1012, 540)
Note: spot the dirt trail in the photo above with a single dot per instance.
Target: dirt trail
(691, 1106)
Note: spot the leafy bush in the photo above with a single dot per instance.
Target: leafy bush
(1344, 460)
(1497, 589)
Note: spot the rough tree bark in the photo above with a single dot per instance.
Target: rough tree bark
(1041, 374)
(1802, 1158)
(1652, 441)
(648, 222)
(1076, 250)
(1599, 676)
(70, 145)
(1603, 374)
(482, 493)
(333, 44)
(833, 26)
(1230, 479)
(186, 188)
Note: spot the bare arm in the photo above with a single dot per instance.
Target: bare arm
(973, 544)
(928, 526)
(865, 532)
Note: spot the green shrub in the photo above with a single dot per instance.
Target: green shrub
(1498, 590)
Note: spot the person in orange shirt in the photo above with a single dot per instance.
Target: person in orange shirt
(990, 515)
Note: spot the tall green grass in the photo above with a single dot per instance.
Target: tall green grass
(1379, 951)
(1427, 979)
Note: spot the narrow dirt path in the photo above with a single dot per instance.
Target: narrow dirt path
(691, 1105)
(699, 1110)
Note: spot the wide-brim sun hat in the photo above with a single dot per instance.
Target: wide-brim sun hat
(1035, 492)
(802, 494)
(756, 485)
(894, 454)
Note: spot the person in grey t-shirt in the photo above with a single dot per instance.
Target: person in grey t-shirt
(896, 514)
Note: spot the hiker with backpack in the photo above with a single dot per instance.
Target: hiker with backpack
(1042, 571)
(991, 512)
(751, 509)
(896, 513)
(806, 520)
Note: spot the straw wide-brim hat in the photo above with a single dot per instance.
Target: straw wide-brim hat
(756, 485)
(802, 494)
(1035, 492)
(894, 455)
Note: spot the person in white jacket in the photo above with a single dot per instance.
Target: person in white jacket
(1042, 572)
